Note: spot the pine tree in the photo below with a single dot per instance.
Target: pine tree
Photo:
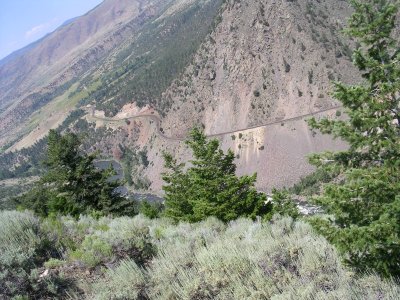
(364, 203)
(209, 187)
(72, 184)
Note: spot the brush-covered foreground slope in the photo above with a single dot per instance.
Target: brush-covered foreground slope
(225, 65)
(138, 258)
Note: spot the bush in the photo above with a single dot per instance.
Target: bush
(93, 251)
(23, 247)
(283, 204)
(255, 261)
(126, 281)
(53, 263)
(124, 238)
(311, 184)
(287, 66)
(155, 259)
(151, 210)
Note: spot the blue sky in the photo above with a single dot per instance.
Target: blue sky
(25, 21)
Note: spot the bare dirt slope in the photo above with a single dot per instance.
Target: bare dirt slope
(277, 152)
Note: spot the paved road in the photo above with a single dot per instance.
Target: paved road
(154, 118)
(157, 120)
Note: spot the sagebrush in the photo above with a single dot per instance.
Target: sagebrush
(140, 258)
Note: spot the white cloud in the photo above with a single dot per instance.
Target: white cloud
(39, 29)
(36, 30)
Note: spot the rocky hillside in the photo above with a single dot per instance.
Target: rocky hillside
(240, 69)
(266, 61)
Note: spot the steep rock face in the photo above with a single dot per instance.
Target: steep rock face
(276, 152)
(265, 61)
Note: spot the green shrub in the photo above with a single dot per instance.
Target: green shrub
(53, 263)
(127, 281)
(311, 184)
(24, 245)
(124, 238)
(283, 204)
(287, 66)
(251, 260)
(19, 237)
(155, 259)
(68, 233)
(93, 251)
(151, 210)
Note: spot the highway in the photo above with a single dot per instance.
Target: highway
(157, 121)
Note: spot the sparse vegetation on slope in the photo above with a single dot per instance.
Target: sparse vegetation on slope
(28, 161)
(146, 67)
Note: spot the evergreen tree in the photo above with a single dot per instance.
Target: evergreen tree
(282, 204)
(365, 205)
(152, 210)
(209, 187)
(72, 184)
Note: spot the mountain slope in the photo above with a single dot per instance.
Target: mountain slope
(266, 61)
(47, 69)
(227, 68)
(116, 45)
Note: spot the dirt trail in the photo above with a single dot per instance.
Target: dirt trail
(157, 120)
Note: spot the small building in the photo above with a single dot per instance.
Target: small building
(90, 109)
